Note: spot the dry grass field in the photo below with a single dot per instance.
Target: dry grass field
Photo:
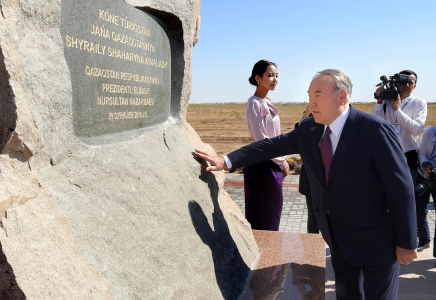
(223, 125)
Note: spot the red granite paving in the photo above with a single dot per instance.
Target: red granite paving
(227, 183)
(233, 183)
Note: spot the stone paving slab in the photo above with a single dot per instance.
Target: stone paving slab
(294, 218)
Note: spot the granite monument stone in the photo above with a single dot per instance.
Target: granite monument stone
(100, 196)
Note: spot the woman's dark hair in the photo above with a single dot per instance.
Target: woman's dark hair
(258, 69)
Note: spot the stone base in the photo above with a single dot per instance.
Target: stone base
(291, 266)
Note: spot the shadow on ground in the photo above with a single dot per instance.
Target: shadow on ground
(287, 281)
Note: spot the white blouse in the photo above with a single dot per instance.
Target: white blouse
(263, 122)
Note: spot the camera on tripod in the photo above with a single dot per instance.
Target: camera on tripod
(389, 91)
(423, 187)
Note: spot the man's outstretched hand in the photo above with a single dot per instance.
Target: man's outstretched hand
(217, 163)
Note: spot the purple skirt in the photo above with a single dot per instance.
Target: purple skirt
(263, 195)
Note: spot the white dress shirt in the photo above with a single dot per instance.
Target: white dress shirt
(263, 122)
(336, 128)
(410, 116)
(427, 148)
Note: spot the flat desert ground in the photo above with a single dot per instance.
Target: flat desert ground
(223, 125)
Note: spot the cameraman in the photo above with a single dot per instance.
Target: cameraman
(407, 114)
(427, 160)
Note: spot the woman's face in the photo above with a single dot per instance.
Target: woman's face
(269, 79)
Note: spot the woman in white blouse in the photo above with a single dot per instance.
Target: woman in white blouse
(263, 182)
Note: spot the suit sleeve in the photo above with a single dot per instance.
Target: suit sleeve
(398, 186)
(266, 149)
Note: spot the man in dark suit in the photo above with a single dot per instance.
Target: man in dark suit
(304, 187)
(360, 184)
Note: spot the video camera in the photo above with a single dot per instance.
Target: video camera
(389, 91)
(421, 188)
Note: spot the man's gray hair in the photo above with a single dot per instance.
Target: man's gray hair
(341, 80)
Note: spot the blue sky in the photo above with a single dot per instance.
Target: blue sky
(365, 39)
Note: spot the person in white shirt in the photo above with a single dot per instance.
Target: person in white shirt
(427, 161)
(407, 114)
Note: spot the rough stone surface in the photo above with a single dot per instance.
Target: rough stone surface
(130, 217)
(229, 207)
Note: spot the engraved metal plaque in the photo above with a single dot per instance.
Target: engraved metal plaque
(119, 59)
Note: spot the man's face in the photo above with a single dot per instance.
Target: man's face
(407, 89)
(325, 105)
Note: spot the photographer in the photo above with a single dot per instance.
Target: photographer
(407, 114)
(427, 161)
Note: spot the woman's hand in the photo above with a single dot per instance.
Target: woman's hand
(285, 172)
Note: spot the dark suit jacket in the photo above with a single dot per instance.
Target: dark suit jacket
(304, 186)
(369, 196)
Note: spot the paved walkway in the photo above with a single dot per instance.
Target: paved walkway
(294, 215)
(417, 281)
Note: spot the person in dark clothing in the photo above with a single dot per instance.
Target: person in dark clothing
(304, 187)
(368, 218)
